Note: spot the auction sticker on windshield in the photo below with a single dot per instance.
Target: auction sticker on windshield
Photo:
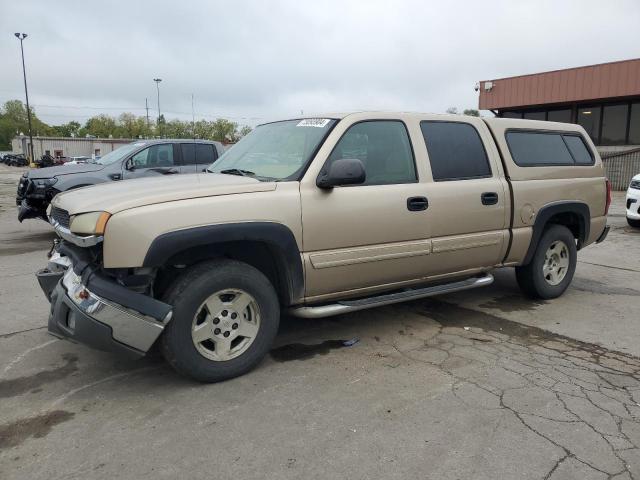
(314, 122)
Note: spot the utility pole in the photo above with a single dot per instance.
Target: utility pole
(146, 106)
(158, 80)
(21, 37)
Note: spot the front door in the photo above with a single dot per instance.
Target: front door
(157, 159)
(365, 237)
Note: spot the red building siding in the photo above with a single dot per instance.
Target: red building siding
(594, 82)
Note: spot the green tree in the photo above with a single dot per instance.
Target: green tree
(452, 110)
(14, 120)
(70, 129)
(245, 130)
(471, 112)
(100, 126)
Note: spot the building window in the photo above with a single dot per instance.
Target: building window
(589, 119)
(535, 115)
(511, 114)
(563, 115)
(614, 124)
(634, 124)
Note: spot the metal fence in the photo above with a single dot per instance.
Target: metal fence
(620, 167)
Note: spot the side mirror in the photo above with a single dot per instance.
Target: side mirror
(129, 165)
(345, 171)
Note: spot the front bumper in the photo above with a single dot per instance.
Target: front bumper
(79, 313)
(633, 204)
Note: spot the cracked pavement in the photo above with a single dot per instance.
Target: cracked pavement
(479, 384)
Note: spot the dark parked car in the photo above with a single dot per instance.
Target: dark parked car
(144, 158)
(15, 160)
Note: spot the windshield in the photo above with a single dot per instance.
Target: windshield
(119, 153)
(275, 151)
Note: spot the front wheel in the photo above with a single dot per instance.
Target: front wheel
(553, 264)
(225, 318)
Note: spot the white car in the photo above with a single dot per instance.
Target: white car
(633, 202)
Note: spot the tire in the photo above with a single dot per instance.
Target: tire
(633, 223)
(216, 359)
(540, 279)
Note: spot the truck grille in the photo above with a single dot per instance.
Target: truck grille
(61, 216)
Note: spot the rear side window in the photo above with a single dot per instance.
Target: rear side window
(539, 149)
(205, 154)
(578, 149)
(188, 153)
(455, 151)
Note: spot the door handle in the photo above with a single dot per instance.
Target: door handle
(489, 198)
(416, 204)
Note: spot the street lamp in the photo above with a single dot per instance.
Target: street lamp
(158, 80)
(21, 37)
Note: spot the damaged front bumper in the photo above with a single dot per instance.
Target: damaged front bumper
(95, 310)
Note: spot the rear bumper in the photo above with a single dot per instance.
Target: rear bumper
(79, 313)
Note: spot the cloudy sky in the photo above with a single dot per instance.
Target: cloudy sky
(253, 61)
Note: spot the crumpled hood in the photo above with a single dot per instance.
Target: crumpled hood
(114, 197)
(50, 172)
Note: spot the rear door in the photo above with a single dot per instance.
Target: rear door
(468, 198)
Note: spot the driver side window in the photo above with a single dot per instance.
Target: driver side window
(384, 148)
(156, 156)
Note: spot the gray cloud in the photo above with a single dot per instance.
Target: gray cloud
(253, 61)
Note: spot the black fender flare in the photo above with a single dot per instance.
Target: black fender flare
(278, 237)
(542, 218)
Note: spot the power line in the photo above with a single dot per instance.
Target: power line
(129, 109)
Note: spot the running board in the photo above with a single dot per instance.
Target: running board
(347, 306)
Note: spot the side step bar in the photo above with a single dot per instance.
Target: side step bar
(347, 306)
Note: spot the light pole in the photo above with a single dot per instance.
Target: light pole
(158, 80)
(21, 37)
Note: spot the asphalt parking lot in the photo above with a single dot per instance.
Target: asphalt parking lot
(482, 384)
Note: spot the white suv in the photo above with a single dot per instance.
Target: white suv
(633, 202)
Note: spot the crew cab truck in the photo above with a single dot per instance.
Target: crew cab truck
(319, 217)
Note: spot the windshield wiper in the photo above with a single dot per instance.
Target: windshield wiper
(237, 171)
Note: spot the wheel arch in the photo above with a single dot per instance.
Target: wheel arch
(269, 246)
(576, 216)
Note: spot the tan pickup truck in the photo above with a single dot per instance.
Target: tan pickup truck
(318, 217)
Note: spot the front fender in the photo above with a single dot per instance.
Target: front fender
(276, 236)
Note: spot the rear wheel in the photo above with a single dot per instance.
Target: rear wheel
(225, 318)
(633, 223)
(553, 264)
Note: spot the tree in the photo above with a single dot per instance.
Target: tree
(70, 129)
(14, 120)
(452, 110)
(245, 130)
(471, 112)
(101, 126)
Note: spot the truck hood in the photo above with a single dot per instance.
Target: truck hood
(114, 197)
(50, 172)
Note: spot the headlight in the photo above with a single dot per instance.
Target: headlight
(47, 182)
(92, 223)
